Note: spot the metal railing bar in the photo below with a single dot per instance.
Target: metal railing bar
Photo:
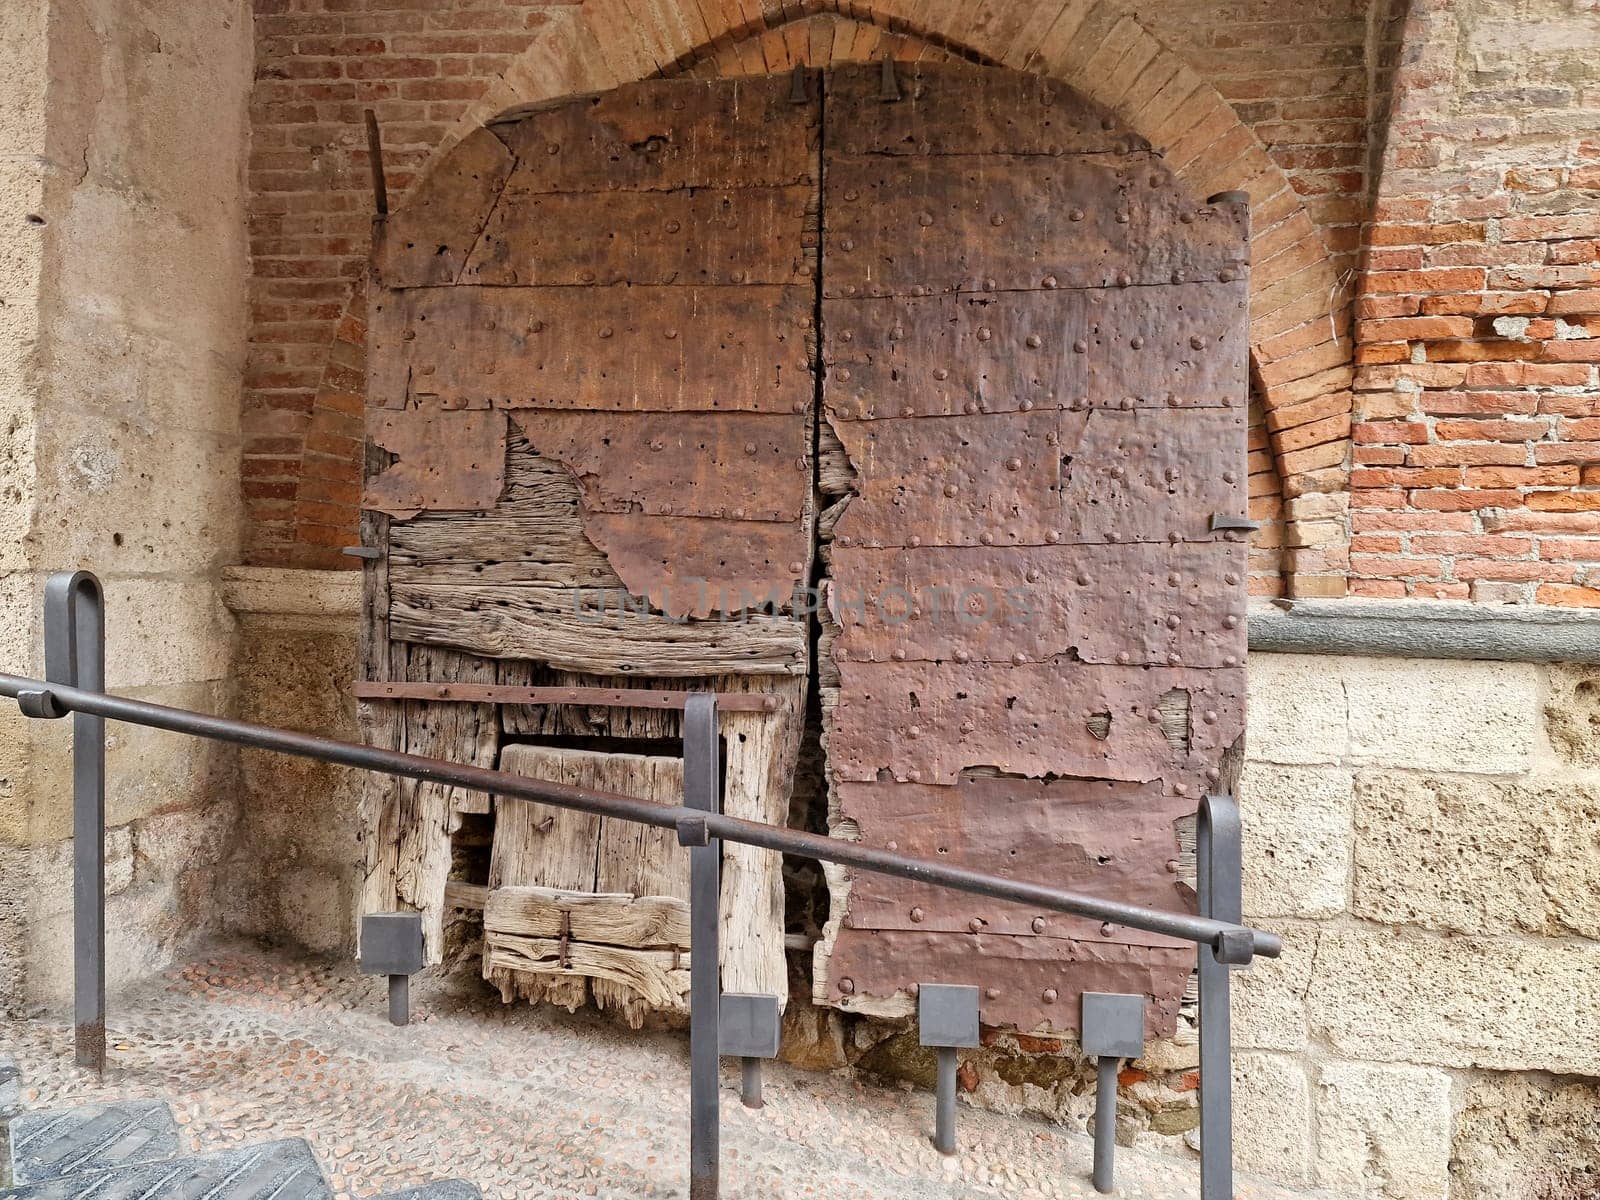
(1183, 926)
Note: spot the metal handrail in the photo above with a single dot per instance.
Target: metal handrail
(1223, 937)
(75, 654)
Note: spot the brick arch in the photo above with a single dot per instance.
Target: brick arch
(1299, 320)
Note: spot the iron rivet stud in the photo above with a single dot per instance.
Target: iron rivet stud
(1076, 214)
(1174, 660)
(1124, 280)
(749, 447)
(1187, 218)
(1080, 347)
(962, 656)
(1032, 575)
(989, 284)
(1136, 342)
(1052, 536)
(657, 444)
(986, 538)
(1173, 866)
(1050, 281)
(1013, 464)
(843, 374)
(847, 986)
(898, 654)
(998, 219)
(916, 915)
(673, 227)
(897, 333)
(844, 336)
(1197, 343)
(1035, 341)
(1122, 218)
(950, 489)
(992, 993)
(913, 541)
(1174, 621)
(1019, 659)
(1229, 660)
(970, 407)
(1230, 622)
(1178, 277)
(1174, 579)
(1225, 275)
(672, 335)
(1180, 789)
(907, 411)
(1210, 717)
(1153, 716)
(1025, 404)
(1230, 579)
(967, 727)
(925, 219)
(852, 194)
(1050, 995)
(844, 542)
(1082, 579)
(984, 333)
(1229, 477)
(1038, 925)
(941, 373)
(796, 567)
(605, 331)
(1123, 658)
(1106, 929)
(975, 925)
(553, 148)
(913, 731)
(846, 244)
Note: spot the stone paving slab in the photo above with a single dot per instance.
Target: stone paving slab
(533, 1104)
(281, 1170)
(91, 1137)
(444, 1189)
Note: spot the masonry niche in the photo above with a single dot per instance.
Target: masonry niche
(915, 393)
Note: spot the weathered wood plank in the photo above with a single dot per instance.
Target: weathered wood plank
(603, 636)
(616, 349)
(664, 136)
(430, 238)
(1006, 223)
(443, 460)
(407, 827)
(659, 978)
(959, 108)
(695, 237)
(746, 466)
(614, 919)
(943, 355)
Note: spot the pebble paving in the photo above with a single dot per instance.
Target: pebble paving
(530, 1103)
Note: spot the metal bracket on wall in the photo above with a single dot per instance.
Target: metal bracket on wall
(391, 944)
(799, 93)
(748, 1029)
(1222, 521)
(380, 187)
(365, 552)
(888, 85)
(947, 1020)
(1113, 1029)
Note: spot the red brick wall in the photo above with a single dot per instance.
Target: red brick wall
(1477, 443)
(419, 64)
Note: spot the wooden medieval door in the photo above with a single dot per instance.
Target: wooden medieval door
(598, 459)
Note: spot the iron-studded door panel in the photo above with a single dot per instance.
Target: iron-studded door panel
(591, 381)
(1035, 349)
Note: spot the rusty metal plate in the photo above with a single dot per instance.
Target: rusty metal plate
(957, 108)
(1142, 604)
(926, 722)
(692, 567)
(1145, 347)
(661, 136)
(1117, 841)
(618, 349)
(701, 236)
(920, 226)
(1044, 477)
(443, 460)
(1033, 985)
(745, 466)
(427, 241)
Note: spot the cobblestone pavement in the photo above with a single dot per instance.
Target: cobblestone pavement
(249, 1046)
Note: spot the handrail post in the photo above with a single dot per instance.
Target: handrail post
(75, 655)
(1220, 869)
(702, 791)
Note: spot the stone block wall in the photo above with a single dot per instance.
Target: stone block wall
(122, 141)
(1426, 834)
